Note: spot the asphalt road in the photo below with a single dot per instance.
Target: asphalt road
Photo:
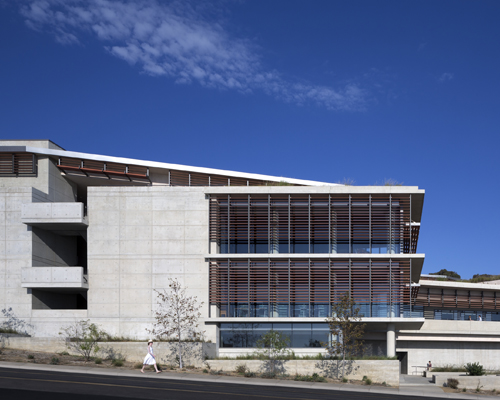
(33, 385)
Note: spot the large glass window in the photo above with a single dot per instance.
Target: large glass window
(302, 335)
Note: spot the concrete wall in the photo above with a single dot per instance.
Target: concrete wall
(487, 382)
(166, 352)
(452, 343)
(138, 238)
(15, 249)
(377, 370)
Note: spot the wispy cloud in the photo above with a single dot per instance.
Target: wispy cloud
(175, 40)
(447, 76)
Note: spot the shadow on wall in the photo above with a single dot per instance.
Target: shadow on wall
(192, 353)
(337, 368)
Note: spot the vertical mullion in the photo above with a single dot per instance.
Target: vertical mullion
(409, 247)
(309, 223)
(189, 179)
(329, 285)
(411, 302)
(248, 287)
(269, 287)
(329, 224)
(350, 281)
(390, 224)
(228, 288)
(370, 225)
(350, 233)
(268, 223)
(229, 223)
(370, 286)
(390, 287)
(309, 288)
(289, 296)
(248, 224)
(289, 232)
(170, 179)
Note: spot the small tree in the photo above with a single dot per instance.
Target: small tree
(14, 324)
(344, 323)
(275, 345)
(177, 315)
(83, 337)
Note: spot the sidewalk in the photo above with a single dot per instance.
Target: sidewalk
(409, 385)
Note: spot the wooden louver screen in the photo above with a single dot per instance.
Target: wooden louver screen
(305, 281)
(458, 299)
(17, 164)
(278, 223)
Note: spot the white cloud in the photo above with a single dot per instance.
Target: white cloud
(174, 40)
(447, 76)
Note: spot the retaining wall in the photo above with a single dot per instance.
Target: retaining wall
(486, 382)
(377, 370)
(166, 352)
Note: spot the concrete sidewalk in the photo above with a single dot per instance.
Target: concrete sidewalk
(409, 385)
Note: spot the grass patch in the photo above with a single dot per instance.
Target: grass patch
(448, 368)
(31, 357)
(54, 361)
(98, 360)
(117, 362)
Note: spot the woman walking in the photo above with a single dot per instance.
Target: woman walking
(150, 358)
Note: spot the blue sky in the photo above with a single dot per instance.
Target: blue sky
(324, 90)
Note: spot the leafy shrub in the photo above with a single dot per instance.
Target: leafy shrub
(448, 368)
(364, 378)
(268, 375)
(474, 369)
(344, 380)
(138, 365)
(64, 353)
(54, 361)
(241, 369)
(249, 374)
(31, 356)
(98, 360)
(368, 381)
(464, 390)
(452, 383)
(214, 372)
(384, 383)
(309, 378)
(117, 362)
(205, 371)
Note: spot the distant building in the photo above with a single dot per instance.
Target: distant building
(90, 236)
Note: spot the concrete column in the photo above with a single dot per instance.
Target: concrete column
(391, 340)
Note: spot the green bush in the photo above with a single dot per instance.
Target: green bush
(241, 369)
(268, 375)
(344, 380)
(117, 362)
(31, 356)
(309, 378)
(452, 383)
(368, 381)
(219, 372)
(205, 371)
(249, 374)
(474, 369)
(98, 360)
(64, 353)
(138, 365)
(54, 361)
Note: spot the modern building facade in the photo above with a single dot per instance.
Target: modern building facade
(86, 236)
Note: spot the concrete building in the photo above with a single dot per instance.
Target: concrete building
(84, 236)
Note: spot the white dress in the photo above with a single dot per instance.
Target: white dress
(150, 357)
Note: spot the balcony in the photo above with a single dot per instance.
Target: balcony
(53, 278)
(55, 216)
